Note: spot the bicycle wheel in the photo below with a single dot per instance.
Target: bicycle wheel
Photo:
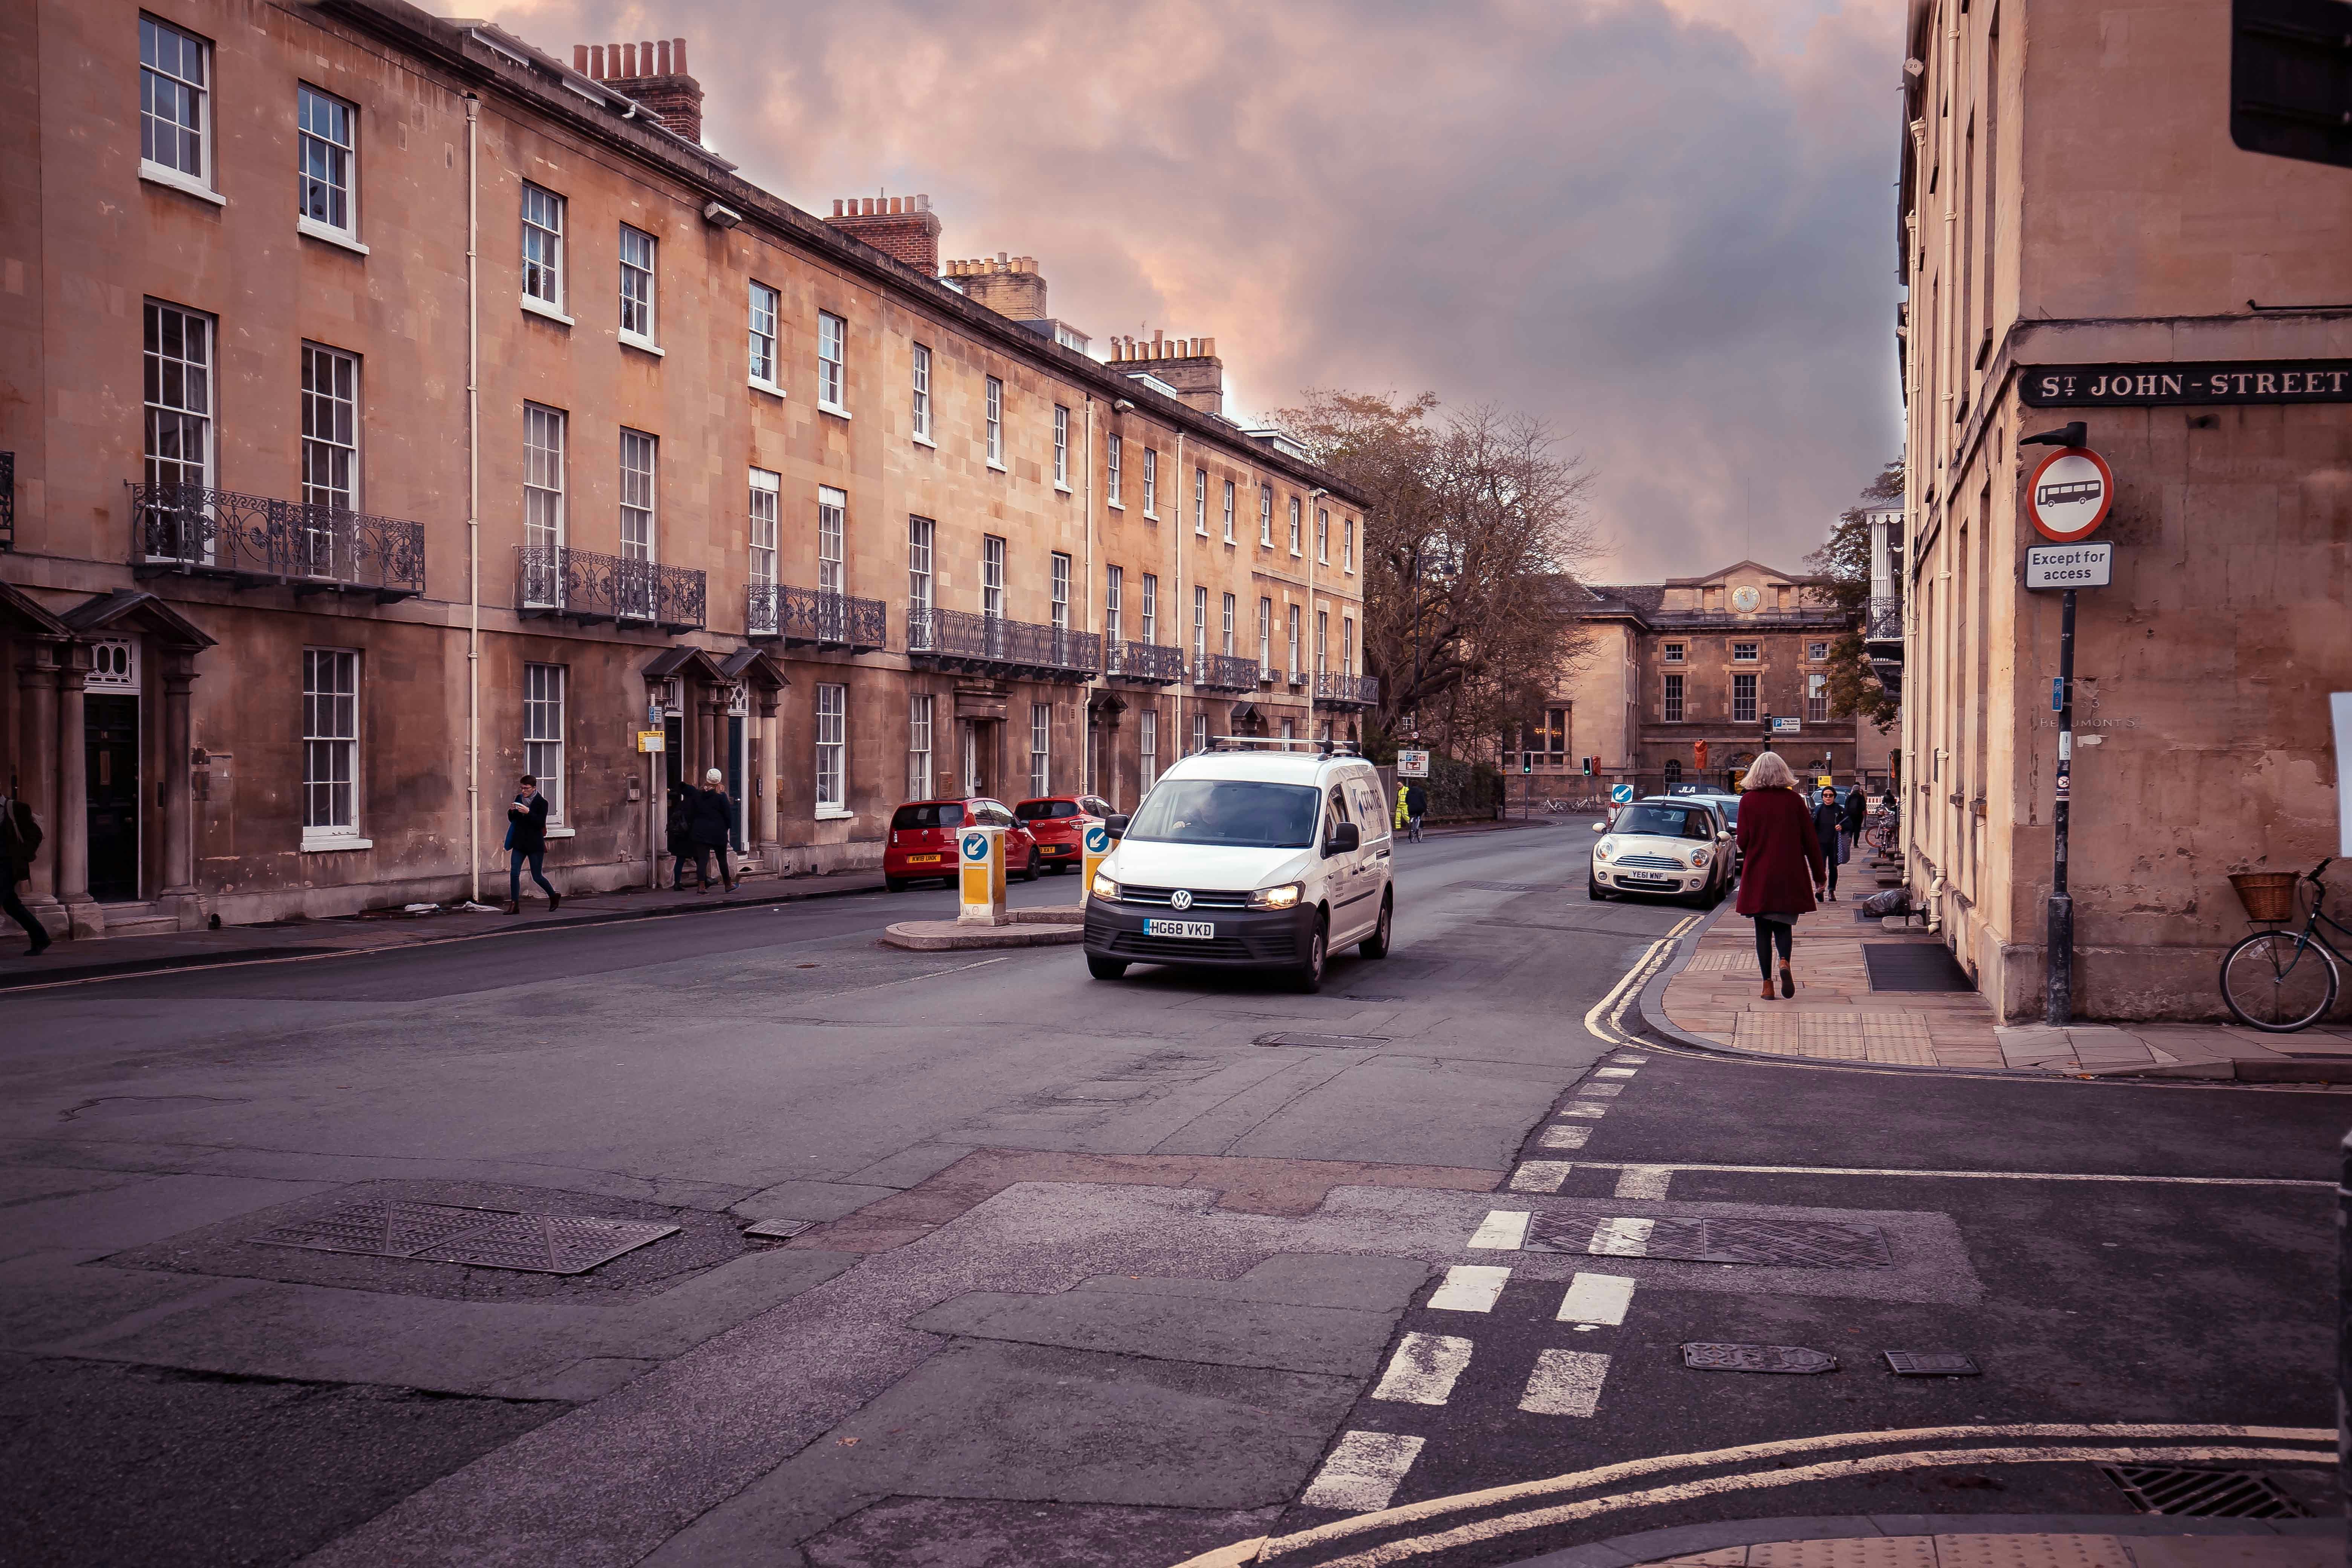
(2278, 981)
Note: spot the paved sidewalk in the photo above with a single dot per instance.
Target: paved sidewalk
(91, 959)
(2037, 1551)
(1836, 1016)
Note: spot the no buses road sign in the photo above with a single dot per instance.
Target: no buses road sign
(2070, 493)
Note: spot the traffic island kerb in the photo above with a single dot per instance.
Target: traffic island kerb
(1049, 927)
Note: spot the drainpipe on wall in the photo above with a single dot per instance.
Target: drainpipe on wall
(1085, 705)
(472, 504)
(1183, 625)
(1315, 676)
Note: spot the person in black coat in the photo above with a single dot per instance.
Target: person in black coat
(712, 820)
(526, 841)
(1855, 807)
(20, 838)
(680, 830)
(1829, 826)
(1416, 806)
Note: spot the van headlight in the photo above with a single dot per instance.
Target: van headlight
(1698, 858)
(1285, 897)
(1104, 888)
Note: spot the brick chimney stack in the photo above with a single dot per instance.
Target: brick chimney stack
(1011, 285)
(904, 228)
(653, 73)
(1190, 366)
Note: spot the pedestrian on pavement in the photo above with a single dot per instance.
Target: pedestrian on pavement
(1780, 863)
(20, 840)
(1856, 807)
(713, 818)
(681, 830)
(1416, 806)
(526, 841)
(1829, 826)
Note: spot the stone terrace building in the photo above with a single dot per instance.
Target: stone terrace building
(288, 609)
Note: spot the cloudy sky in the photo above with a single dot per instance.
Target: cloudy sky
(1665, 227)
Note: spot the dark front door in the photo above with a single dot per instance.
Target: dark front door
(111, 740)
(674, 747)
(735, 774)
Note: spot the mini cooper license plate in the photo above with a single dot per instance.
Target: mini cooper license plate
(1198, 929)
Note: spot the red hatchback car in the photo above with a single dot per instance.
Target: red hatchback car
(922, 840)
(1058, 824)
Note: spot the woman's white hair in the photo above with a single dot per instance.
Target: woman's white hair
(715, 776)
(1768, 771)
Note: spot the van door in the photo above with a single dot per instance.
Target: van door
(1375, 857)
(1352, 911)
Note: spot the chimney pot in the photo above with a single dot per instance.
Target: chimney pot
(836, 206)
(677, 56)
(645, 57)
(661, 57)
(580, 58)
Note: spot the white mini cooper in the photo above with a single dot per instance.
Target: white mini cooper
(1666, 844)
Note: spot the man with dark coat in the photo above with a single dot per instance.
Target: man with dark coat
(20, 839)
(679, 828)
(1856, 807)
(1781, 862)
(1416, 806)
(527, 844)
(711, 818)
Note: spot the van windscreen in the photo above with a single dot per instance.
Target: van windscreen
(1236, 812)
(932, 814)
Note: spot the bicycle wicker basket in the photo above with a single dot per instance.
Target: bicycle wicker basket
(2267, 895)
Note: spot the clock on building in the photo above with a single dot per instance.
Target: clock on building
(1745, 600)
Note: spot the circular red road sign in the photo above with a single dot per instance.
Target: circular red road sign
(2070, 493)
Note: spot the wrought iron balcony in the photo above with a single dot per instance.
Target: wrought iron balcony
(590, 587)
(1885, 623)
(1224, 672)
(990, 645)
(192, 530)
(1146, 663)
(811, 618)
(1333, 689)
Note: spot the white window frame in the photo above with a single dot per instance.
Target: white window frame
(1671, 699)
(1111, 456)
(1147, 749)
(763, 527)
(1817, 699)
(330, 735)
(922, 537)
(1229, 512)
(919, 393)
(1670, 653)
(1295, 613)
(1061, 448)
(640, 495)
(1199, 626)
(832, 750)
(1322, 640)
(1114, 593)
(1151, 481)
(192, 411)
(1817, 650)
(1347, 547)
(1736, 698)
(542, 276)
(1265, 637)
(832, 362)
(1323, 535)
(1266, 516)
(764, 309)
(1294, 527)
(1041, 748)
(192, 138)
(639, 283)
(1201, 503)
(542, 731)
(996, 411)
(1232, 614)
(832, 528)
(327, 167)
(1347, 645)
(921, 708)
(992, 576)
(1150, 624)
(1061, 588)
(1200, 732)
(1746, 652)
(330, 426)
(544, 437)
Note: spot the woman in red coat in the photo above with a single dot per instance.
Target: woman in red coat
(1780, 864)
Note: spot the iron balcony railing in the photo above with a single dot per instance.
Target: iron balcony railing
(189, 528)
(1346, 691)
(814, 619)
(590, 587)
(1224, 672)
(1815, 614)
(958, 639)
(1886, 622)
(1148, 663)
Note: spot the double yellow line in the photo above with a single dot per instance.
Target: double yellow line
(1604, 1022)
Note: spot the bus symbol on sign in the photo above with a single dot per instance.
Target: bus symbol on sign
(2070, 494)
(1097, 839)
(975, 847)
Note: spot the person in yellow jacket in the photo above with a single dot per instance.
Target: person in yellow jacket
(1400, 810)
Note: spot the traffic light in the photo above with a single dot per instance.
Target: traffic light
(1527, 761)
(1588, 767)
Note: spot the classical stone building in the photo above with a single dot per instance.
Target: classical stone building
(1719, 662)
(393, 408)
(2082, 240)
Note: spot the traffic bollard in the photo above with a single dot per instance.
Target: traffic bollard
(981, 851)
(1098, 850)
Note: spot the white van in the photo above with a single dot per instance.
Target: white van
(1247, 859)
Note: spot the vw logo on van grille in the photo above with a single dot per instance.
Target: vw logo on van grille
(1179, 900)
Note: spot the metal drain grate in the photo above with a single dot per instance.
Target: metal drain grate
(1785, 1244)
(485, 1238)
(1516, 886)
(2202, 1494)
(1326, 1042)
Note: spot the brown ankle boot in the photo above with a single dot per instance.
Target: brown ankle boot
(1768, 988)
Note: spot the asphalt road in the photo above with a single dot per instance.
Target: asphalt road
(1087, 1273)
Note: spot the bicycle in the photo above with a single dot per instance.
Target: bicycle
(2281, 981)
(1880, 835)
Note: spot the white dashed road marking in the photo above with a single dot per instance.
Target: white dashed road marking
(1585, 1107)
(1644, 1180)
(1423, 1368)
(1613, 1072)
(1603, 1089)
(1502, 1230)
(1539, 1176)
(1563, 1137)
(1565, 1382)
(1630, 1061)
(1469, 1287)
(1597, 1298)
(1363, 1471)
(1621, 1238)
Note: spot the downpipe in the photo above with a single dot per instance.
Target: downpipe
(473, 500)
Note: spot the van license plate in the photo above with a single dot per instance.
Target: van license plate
(1199, 930)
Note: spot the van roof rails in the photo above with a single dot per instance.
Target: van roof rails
(1277, 743)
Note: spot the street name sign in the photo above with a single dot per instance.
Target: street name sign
(2070, 493)
(2165, 383)
(1412, 764)
(2090, 564)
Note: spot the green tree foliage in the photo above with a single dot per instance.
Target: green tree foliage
(1843, 562)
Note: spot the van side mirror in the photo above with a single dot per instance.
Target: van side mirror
(1345, 840)
(1116, 821)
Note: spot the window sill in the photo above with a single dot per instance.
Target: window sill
(541, 308)
(835, 409)
(1115, 506)
(312, 228)
(157, 174)
(833, 813)
(996, 467)
(924, 441)
(560, 833)
(1064, 488)
(769, 387)
(643, 346)
(326, 846)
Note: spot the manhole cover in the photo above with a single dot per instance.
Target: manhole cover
(487, 1238)
(2202, 1494)
(1326, 1042)
(1931, 1363)
(778, 1229)
(1914, 966)
(1756, 1358)
(1784, 1244)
